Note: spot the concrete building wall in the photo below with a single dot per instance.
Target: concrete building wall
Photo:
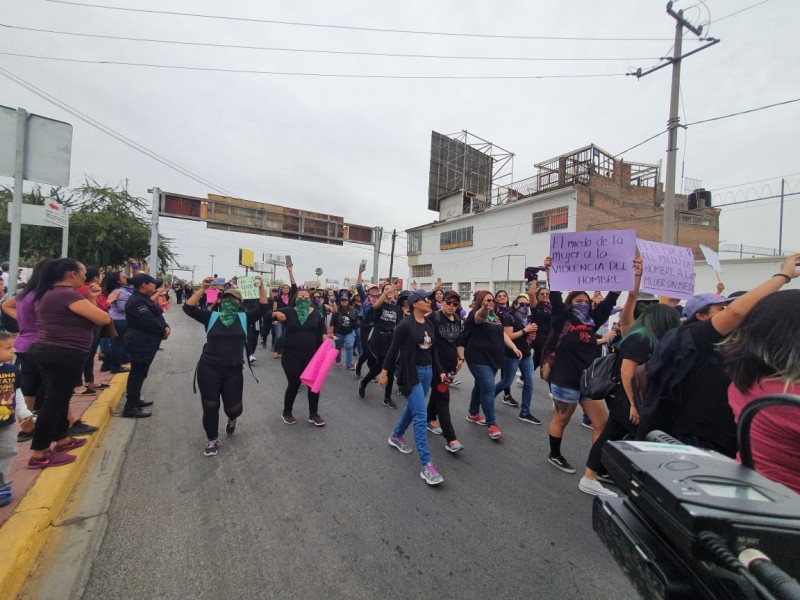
(503, 245)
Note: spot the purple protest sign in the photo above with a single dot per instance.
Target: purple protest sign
(593, 260)
(667, 270)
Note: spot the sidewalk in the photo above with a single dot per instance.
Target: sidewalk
(40, 495)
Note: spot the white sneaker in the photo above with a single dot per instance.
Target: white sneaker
(594, 488)
(252, 358)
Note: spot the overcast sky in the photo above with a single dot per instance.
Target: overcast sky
(359, 147)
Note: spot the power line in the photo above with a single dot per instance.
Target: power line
(298, 74)
(111, 132)
(356, 28)
(727, 187)
(313, 51)
(738, 12)
(743, 112)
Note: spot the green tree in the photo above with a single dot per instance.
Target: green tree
(107, 225)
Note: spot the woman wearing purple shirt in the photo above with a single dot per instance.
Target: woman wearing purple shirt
(117, 291)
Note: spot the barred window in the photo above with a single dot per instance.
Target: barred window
(513, 288)
(414, 241)
(456, 238)
(421, 271)
(465, 291)
(550, 220)
(447, 285)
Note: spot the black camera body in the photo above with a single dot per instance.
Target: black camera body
(676, 494)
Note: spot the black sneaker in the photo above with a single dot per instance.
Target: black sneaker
(136, 412)
(230, 426)
(509, 399)
(361, 389)
(24, 436)
(561, 463)
(604, 477)
(389, 403)
(529, 418)
(145, 403)
(81, 428)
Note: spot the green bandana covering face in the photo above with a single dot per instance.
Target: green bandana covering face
(301, 308)
(228, 309)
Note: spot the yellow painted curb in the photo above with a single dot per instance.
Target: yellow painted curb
(27, 530)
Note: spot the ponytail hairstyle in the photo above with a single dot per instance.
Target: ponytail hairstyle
(55, 272)
(41, 266)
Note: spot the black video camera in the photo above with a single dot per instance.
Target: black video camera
(697, 524)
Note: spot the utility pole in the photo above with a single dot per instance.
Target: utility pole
(377, 235)
(391, 258)
(780, 229)
(674, 120)
(212, 263)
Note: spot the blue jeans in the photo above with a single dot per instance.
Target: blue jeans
(483, 392)
(347, 341)
(510, 366)
(116, 353)
(357, 345)
(415, 410)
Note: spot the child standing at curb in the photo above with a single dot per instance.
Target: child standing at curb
(12, 404)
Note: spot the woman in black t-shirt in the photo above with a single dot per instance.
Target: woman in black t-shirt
(304, 330)
(484, 354)
(542, 315)
(343, 328)
(219, 370)
(634, 349)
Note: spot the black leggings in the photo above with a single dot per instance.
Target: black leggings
(59, 368)
(439, 410)
(293, 365)
(375, 367)
(614, 430)
(88, 366)
(215, 382)
(362, 358)
(31, 380)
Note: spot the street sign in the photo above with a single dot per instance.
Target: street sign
(33, 214)
(48, 148)
(55, 213)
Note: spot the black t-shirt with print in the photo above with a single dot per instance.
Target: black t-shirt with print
(511, 319)
(446, 334)
(9, 382)
(386, 317)
(344, 321)
(423, 341)
(485, 344)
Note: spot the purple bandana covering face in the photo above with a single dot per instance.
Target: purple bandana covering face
(579, 314)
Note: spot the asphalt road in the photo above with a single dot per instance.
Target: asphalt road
(334, 512)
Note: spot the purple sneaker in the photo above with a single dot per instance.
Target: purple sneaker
(398, 442)
(431, 475)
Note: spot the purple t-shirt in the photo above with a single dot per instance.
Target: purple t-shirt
(26, 320)
(58, 325)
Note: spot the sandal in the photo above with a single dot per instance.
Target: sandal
(99, 386)
(88, 392)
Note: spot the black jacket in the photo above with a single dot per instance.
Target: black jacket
(403, 351)
(146, 327)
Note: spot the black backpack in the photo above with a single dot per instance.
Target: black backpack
(600, 378)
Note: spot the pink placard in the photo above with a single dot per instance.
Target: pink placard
(211, 296)
(593, 260)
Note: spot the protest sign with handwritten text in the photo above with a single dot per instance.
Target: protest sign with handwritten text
(592, 260)
(668, 270)
(247, 286)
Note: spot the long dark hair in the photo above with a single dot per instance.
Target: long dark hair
(110, 282)
(36, 276)
(767, 343)
(54, 272)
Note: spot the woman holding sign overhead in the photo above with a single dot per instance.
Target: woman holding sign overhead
(219, 370)
(577, 343)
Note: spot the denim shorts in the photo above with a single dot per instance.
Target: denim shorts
(565, 394)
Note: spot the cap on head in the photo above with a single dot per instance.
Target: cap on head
(232, 292)
(700, 302)
(450, 294)
(141, 279)
(416, 296)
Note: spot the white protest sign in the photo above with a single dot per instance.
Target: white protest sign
(248, 287)
(668, 270)
(592, 260)
(712, 258)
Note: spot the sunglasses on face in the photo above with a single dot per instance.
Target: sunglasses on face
(523, 304)
(452, 302)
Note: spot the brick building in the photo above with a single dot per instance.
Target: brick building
(485, 243)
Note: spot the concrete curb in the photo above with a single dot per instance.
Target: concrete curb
(29, 527)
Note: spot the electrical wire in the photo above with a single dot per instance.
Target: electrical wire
(743, 112)
(313, 51)
(299, 74)
(356, 28)
(111, 132)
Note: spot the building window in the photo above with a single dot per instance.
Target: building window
(414, 242)
(456, 238)
(512, 288)
(421, 271)
(465, 291)
(550, 220)
(447, 285)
